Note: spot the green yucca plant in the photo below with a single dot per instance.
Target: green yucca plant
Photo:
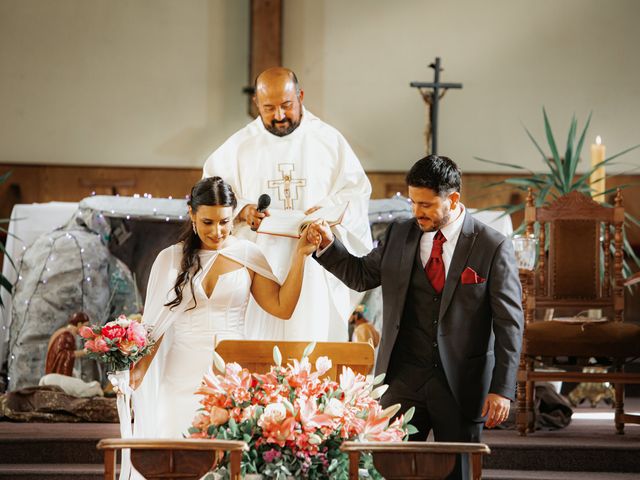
(561, 176)
(4, 281)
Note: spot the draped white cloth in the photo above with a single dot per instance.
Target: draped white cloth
(164, 404)
(323, 171)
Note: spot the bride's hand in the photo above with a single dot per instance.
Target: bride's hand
(305, 245)
(136, 375)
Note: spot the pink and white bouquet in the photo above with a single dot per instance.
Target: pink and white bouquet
(293, 419)
(119, 343)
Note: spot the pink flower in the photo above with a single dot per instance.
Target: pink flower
(137, 333)
(126, 347)
(97, 345)
(271, 455)
(112, 331)
(86, 332)
(279, 433)
(218, 416)
(310, 416)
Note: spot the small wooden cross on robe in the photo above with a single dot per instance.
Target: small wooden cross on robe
(285, 183)
(431, 94)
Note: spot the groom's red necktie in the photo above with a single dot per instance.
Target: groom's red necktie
(435, 266)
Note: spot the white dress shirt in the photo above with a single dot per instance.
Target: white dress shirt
(451, 232)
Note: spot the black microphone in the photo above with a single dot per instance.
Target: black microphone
(263, 202)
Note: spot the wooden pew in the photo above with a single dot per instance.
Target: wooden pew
(416, 460)
(257, 355)
(172, 459)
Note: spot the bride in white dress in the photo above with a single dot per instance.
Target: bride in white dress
(197, 293)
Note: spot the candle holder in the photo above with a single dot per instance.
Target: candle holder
(525, 247)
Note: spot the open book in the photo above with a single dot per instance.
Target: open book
(291, 223)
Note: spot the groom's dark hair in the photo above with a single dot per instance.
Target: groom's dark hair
(435, 172)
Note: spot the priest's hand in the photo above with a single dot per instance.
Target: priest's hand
(252, 216)
(496, 408)
(319, 233)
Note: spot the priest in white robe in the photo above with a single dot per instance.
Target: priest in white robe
(301, 163)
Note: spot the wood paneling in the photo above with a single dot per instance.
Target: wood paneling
(45, 183)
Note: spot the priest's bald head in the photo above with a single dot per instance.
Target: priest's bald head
(279, 100)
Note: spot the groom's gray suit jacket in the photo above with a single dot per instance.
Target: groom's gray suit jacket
(480, 325)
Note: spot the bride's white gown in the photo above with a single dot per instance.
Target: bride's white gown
(164, 404)
(216, 318)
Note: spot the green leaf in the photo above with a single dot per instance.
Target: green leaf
(6, 255)
(552, 144)
(379, 379)
(408, 415)
(569, 169)
(411, 429)
(503, 164)
(552, 167)
(578, 149)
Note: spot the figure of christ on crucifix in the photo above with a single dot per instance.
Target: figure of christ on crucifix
(432, 93)
(283, 185)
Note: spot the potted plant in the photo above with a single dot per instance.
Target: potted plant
(561, 177)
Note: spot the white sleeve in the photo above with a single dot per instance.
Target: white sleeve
(156, 316)
(352, 186)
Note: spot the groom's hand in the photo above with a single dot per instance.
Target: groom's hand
(496, 408)
(319, 233)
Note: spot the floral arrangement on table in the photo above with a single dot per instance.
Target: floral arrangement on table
(119, 343)
(295, 421)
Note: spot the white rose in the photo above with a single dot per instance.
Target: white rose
(276, 412)
(335, 408)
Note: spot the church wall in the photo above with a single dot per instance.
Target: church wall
(102, 82)
(157, 83)
(357, 59)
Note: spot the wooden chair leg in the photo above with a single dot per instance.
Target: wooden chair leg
(354, 462)
(618, 405)
(476, 465)
(234, 465)
(521, 399)
(109, 465)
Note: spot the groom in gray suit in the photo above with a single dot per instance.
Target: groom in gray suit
(452, 322)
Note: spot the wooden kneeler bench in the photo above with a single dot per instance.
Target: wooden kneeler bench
(172, 459)
(416, 460)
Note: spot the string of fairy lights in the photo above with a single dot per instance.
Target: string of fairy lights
(85, 267)
(43, 278)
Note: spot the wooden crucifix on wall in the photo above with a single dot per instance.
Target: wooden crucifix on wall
(431, 93)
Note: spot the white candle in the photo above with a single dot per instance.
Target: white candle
(597, 178)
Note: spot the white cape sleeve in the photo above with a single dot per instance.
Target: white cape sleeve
(158, 318)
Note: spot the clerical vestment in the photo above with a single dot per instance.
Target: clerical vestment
(312, 166)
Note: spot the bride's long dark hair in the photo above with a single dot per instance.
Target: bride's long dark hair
(210, 192)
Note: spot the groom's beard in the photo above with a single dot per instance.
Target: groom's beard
(282, 128)
(427, 224)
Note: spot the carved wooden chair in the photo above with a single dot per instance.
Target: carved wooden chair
(172, 459)
(580, 270)
(257, 355)
(416, 460)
